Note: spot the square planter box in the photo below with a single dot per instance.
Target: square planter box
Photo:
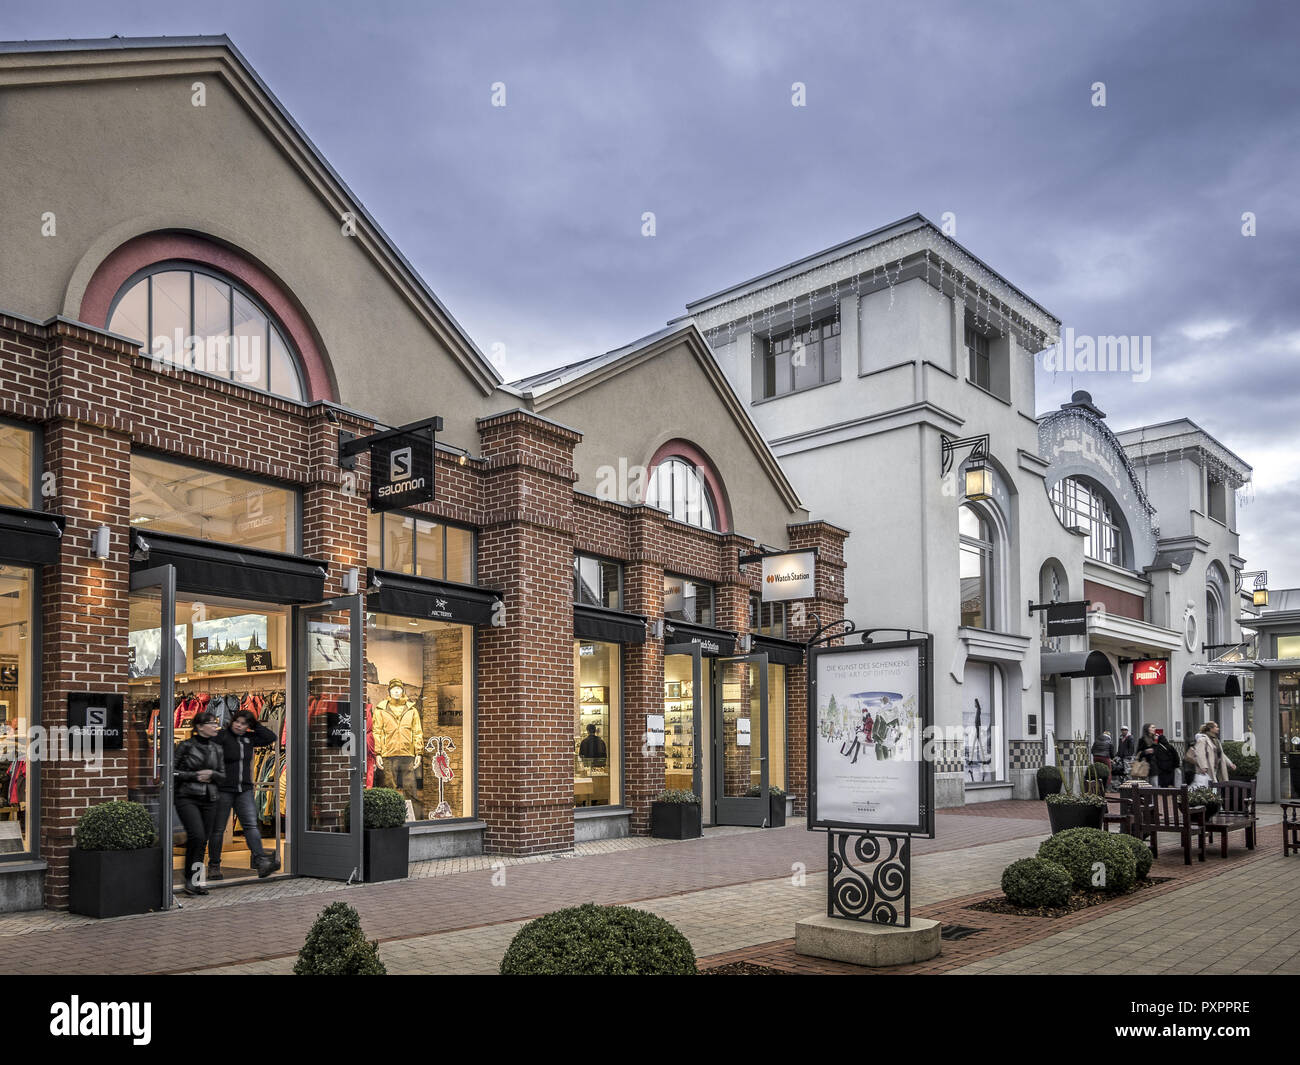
(776, 803)
(675, 820)
(115, 883)
(387, 852)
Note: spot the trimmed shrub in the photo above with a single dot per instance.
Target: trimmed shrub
(593, 940)
(384, 808)
(1207, 797)
(772, 789)
(1064, 798)
(1141, 854)
(1035, 882)
(1247, 764)
(676, 795)
(1085, 851)
(116, 826)
(1098, 771)
(336, 946)
(1048, 774)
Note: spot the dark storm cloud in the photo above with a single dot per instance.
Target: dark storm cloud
(526, 220)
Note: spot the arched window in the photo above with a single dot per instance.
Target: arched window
(1213, 631)
(1079, 505)
(976, 569)
(197, 319)
(679, 487)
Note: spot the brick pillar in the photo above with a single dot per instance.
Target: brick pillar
(828, 606)
(85, 600)
(526, 680)
(643, 679)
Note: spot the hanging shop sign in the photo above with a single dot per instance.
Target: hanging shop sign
(869, 715)
(96, 713)
(1067, 619)
(1150, 671)
(789, 576)
(401, 471)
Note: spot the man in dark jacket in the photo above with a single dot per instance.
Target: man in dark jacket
(238, 741)
(198, 770)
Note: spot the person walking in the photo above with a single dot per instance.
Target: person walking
(1164, 760)
(1124, 752)
(198, 769)
(238, 741)
(1207, 752)
(1103, 750)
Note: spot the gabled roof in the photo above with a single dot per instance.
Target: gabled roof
(551, 387)
(137, 57)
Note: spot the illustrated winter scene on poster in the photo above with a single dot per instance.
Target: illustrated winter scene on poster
(869, 736)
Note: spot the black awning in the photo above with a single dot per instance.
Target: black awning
(1075, 664)
(711, 641)
(416, 597)
(612, 626)
(1211, 686)
(28, 536)
(206, 568)
(781, 652)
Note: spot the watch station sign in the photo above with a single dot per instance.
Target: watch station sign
(789, 576)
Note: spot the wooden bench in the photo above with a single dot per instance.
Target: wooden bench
(1237, 814)
(1170, 812)
(1290, 828)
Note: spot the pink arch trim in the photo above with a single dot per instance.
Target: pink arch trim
(697, 458)
(143, 251)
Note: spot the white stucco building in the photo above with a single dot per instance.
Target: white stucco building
(856, 364)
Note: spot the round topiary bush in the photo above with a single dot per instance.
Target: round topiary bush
(593, 940)
(336, 946)
(1048, 774)
(384, 808)
(1095, 860)
(1035, 882)
(1247, 764)
(1141, 854)
(116, 826)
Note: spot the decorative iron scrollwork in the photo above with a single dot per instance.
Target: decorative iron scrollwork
(869, 880)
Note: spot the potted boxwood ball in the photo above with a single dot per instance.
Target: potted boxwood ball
(117, 865)
(388, 837)
(776, 804)
(1075, 811)
(1049, 781)
(675, 814)
(1207, 797)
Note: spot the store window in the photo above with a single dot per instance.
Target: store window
(597, 582)
(688, 600)
(596, 754)
(419, 700)
(982, 702)
(1288, 647)
(169, 497)
(801, 358)
(776, 726)
(423, 547)
(17, 670)
(976, 569)
(200, 320)
(17, 447)
(678, 487)
(767, 619)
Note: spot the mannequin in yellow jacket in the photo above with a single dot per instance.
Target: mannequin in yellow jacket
(399, 740)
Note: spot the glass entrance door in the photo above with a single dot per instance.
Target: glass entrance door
(156, 650)
(740, 765)
(683, 761)
(328, 752)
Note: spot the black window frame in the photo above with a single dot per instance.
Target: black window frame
(758, 609)
(979, 368)
(600, 560)
(713, 601)
(36, 463)
(432, 519)
(778, 344)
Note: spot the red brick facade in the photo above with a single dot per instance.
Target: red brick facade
(96, 401)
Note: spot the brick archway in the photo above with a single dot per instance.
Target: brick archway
(143, 251)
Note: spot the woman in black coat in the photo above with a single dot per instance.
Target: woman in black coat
(1164, 760)
(198, 769)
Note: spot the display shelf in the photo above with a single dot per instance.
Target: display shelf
(195, 678)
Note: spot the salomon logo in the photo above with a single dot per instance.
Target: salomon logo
(399, 464)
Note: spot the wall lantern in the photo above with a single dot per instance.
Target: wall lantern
(99, 542)
(1260, 594)
(978, 475)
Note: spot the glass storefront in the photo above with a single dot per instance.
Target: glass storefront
(776, 726)
(170, 497)
(229, 655)
(17, 665)
(597, 713)
(422, 547)
(16, 449)
(679, 722)
(419, 704)
(1288, 717)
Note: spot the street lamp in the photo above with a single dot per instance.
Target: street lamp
(1260, 593)
(978, 475)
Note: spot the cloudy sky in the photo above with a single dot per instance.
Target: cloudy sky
(1124, 219)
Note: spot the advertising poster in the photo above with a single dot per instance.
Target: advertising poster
(868, 740)
(144, 652)
(223, 643)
